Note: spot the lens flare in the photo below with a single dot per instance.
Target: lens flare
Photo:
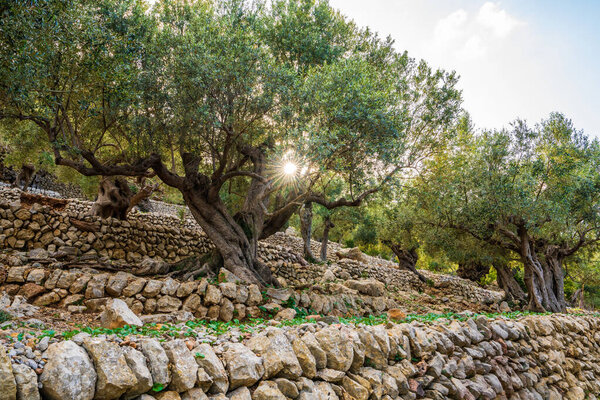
(290, 168)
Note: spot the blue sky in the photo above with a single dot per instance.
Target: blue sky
(516, 58)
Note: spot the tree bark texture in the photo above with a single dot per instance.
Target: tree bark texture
(507, 282)
(324, 243)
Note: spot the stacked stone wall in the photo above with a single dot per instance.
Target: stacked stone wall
(166, 237)
(536, 357)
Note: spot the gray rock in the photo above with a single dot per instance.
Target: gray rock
(277, 354)
(27, 383)
(114, 375)
(69, 373)
(183, 365)
(137, 363)
(158, 362)
(243, 366)
(268, 390)
(241, 393)
(337, 347)
(212, 365)
(7, 380)
(116, 314)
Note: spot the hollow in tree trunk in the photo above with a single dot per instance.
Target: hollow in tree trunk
(407, 258)
(325, 241)
(306, 216)
(506, 281)
(113, 199)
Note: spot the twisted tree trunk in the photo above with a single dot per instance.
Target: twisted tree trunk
(407, 258)
(328, 226)
(306, 216)
(507, 282)
(543, 277)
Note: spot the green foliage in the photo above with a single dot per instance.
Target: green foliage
(4, 316)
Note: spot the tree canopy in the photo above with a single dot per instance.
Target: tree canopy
(208, 92)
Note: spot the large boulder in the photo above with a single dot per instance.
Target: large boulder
(7, 380)
(116, 314)
(208, 361)
(114, 375)
(370, 287)
(243, 366)
(183, 365)
(338, 348)
(69, 373)
(352, 254)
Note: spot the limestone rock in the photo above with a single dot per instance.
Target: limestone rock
(114, 375)
(354, 389)
(268, 390)
(241, 393)
(137, 363)
(243, 366)
(213, 295)
(183, 365)
(69, 373)
(337, 347)
(315, 349)
(277, 354)
(27, 383)
(158, 362)
(7, 380)
(116, 314)
(212, 365)
(305, 358)
(370, 287)
(194, 394)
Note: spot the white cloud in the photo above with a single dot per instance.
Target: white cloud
(491, 16)
(473, 48)
(460, 36)
(450, 28)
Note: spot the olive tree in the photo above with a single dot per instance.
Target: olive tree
(531, 191)
(202, 94)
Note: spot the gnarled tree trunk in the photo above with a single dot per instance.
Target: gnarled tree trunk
(543, 277)
(236, 245)
(113, 199)
(507, 282)
(25, 177)
(407, 258)
(306, 216)
(472, 270)
(328, 226)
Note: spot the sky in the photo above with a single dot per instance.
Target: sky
(515, 58)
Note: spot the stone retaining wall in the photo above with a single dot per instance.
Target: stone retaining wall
(73, 231)
(85, 289)
(536, 357)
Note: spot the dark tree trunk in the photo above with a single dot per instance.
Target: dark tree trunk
(507, 282)
(25, 177)
(306, 216)
(472, 270)
(113, 199)
(407, 259)
(544, 277)
(235, 241)
(328, 226)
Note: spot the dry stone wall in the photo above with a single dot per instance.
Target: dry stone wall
(72, 231)
(87, 289)
(536, 357)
